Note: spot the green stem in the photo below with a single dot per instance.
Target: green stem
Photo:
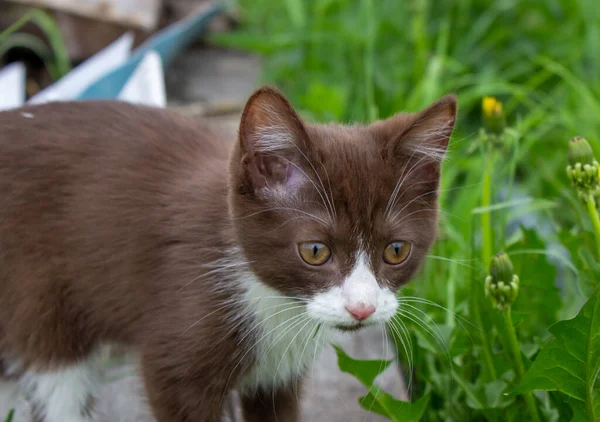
(486, 348)
(486, 225)
(509, 139)
(515, 351)
(451, 295)
(513, 344)
(591, 207)
(369, 60)
(475, 307)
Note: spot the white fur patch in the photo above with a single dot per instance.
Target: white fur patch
(61, 395)
(359, 289)
(286, 338)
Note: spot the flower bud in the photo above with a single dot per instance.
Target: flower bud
(580, 151)
(502, 285)
(494, 120)
(583, 170)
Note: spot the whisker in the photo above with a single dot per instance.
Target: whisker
(321, 193)
(401, 220)
(425, 194)
(311, 216)
(374, 386)
(287, 321)
(287, 221)
(317, 342)
(396, 198)
(243, 320)
(233, 302)
(320, 180)
(455, 261)
(392, 200)
(262, 321)
(215, 271)
(309, 335)
(330, 190)
(395, 191)
(432, 326)
(435, 334)
(408, 348)
(283, 356)
(437, 305)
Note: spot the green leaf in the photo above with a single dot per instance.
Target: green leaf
(570, 362)
(590, 274)
(60, 64)
(581, 276)
(364, 370)
(380, 402)
(10, 415)
(377, 400)
(370, 403)
(491, 395)
(560, 402)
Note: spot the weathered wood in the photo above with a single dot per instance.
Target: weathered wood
(142, 14)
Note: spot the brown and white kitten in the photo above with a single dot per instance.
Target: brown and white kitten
(224, 264)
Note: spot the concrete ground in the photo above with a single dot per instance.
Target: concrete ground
(215, 83)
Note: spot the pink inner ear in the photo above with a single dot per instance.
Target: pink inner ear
(295, 179)
(273, 172)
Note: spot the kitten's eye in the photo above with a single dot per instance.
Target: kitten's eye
(314, 253)
(396, 252)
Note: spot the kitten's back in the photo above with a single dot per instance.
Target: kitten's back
(90, 195)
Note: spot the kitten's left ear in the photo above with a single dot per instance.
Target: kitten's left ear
(273, 143)
(428, 134)
(418, 141)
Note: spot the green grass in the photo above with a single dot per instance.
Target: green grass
(54, 53)
(366, 59)
(10, 416)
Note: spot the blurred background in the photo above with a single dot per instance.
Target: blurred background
(354, 60)
(361, 60)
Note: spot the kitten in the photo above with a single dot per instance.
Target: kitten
(224, 264)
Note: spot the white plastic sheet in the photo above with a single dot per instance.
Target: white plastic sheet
(147, 83)
(77, 80)
(12, 86)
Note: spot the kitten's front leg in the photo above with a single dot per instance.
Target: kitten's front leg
(184, 393)
(279, 406)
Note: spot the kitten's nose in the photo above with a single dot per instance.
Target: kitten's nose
(360, 312)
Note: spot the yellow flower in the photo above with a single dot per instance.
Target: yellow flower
(491, 106)
(493, 117)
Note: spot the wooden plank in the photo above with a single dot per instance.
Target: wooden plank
(142, 14)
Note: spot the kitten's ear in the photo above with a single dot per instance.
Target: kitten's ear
(430, 131)
(272, 137)
(421, 139)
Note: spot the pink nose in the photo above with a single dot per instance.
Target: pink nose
(360, 312)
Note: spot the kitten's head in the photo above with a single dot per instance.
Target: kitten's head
(338, 216)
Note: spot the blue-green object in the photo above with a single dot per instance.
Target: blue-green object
(167, 43)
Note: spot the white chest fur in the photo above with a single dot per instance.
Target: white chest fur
(283, 339)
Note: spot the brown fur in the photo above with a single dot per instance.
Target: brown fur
(110, 212)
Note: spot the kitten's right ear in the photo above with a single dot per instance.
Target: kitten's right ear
(272, 137)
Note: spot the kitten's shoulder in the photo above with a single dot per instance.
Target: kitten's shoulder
(105, 122)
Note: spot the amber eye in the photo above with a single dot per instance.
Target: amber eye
(314, 253)
(396, 252)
